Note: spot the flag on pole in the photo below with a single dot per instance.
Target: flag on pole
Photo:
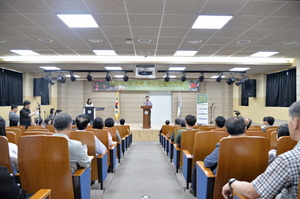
(179, 106)
(117, 107)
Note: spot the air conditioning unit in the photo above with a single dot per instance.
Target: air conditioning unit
(145, 71)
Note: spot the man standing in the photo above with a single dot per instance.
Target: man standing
(77, 154)
(281, 176)
(147, 102)
(25, 114)
(13, 117)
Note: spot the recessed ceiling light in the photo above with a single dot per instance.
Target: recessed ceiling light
(185, 53)
(105, 52)
(79, 20)
(195, 41)
(171, 76)
(95, 40)
(291, 42)
(145, 52)
(215, 76)
(239, 69)
(25, 52)
(45, 40)
(49, 67)
(74, 75)
(177, 68)
(244, 42)
(119, 76)
(144, 40)
(210, 22)
(113, 68)
(264, 54)
(2, 41)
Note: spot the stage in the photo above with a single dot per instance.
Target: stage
(140, 134)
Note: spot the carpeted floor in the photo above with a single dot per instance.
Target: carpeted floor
(145, 170)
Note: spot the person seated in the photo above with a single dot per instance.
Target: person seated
(236, 127)
(220, 122)
(109, 122)
(47, 121)
(13, 148)
(167, 122)
(39, 123)
(281, 178)
(283, 130)
(177, 123)
(82, 121)
(14, 118)
(248, 122)
(182, 122)
(190, 121)
(268, 122)
(78, 157)
(122, 121)
(98, 124)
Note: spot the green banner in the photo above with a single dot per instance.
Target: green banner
(145, 85)
(202, 99)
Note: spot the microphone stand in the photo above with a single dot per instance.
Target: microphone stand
(211, 121)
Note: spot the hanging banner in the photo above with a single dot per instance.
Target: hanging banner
(145, 85)
(202, 109)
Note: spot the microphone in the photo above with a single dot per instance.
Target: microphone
(212, 104)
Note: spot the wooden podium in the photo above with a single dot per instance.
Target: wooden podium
(146, 117)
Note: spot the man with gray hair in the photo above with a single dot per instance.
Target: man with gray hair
(281, 176)
(78, 157)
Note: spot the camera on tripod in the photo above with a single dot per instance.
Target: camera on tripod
(237, 112)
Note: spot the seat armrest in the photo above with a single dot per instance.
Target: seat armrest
(112, 147)
(187, 154)
(41, 194)
(79, 172)
(187, 167)
(102, 155)
(205, 181)
(205, 170)
(82, 183)
(238, 195)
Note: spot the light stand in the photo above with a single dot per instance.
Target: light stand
(212, 120)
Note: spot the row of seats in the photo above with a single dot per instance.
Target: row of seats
(42, 168)
(243, 158)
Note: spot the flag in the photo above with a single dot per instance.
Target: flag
(117, 107)
(179, 106)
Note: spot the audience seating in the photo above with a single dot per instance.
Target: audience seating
(171, 144)
(35, 127)
(50, 128)
(11, 137)
(255, 133)
(16, 130)
(99, 163)
(284, 144)
(204, 144)
(243, 158)
(48, 167)
(273, 140)
(187, 143)
(37, 133)
(255, 128)
(123, 130)
(4, 155)
(102, 135)
(22, 128)
(219, 129)
(42, 194)
(207, 128)
(113, 133)
(269, 131)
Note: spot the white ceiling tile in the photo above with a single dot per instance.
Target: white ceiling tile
(243, 21)
(260, 8)
(199, 33)
(59, 31)
(144, 7)
(256, 33)
(29, 6)
(111, 19)
(186, 21)
(224, 7)
(145, 20)
(188, 7)
(15, 20)
(68, 7)
(144, 31)
(45, 20)
(289, 9)
(231, 33)
(88, 32)
(173, 32)
(116, 31)
(111, 6)
(33, 31)
(274, 22)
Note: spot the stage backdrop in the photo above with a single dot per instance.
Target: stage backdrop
(145, 85)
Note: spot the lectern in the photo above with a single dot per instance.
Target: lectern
(146, 117)
(90, 111)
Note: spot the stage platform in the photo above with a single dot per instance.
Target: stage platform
(140, 134)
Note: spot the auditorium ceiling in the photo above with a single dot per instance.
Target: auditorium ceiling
(149, 32)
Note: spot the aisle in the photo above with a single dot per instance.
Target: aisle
(144, 171)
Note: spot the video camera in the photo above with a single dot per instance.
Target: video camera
(237, 112)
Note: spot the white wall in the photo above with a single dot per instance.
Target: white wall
(162, 106)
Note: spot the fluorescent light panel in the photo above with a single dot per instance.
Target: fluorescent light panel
(105, 52)
(171, 76)
(25, 52)
(119, 76)
(185, 53)
(239, 69)
(78, 20)
(177, 68)
(50, 67)
(215, 76)
(264, 54)
(210, 22)
(70, 75)
(113, 68)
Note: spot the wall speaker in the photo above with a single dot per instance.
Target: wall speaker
(250, 88)
(39, 86)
